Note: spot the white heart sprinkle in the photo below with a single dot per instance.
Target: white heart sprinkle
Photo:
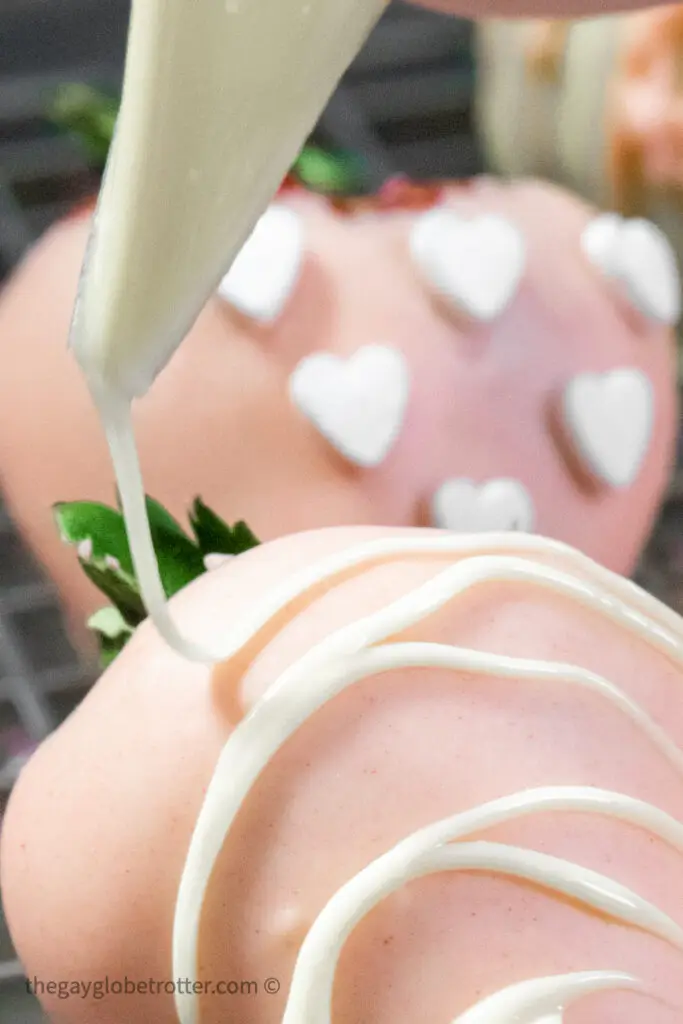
(475, 264)
(610, 417)
(358, 404)
(496, 505)
(267, 267)
(600, 238)
(638, 257)
(215, 561)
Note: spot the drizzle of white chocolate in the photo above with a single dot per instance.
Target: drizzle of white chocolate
(217, 100)
(361, 650)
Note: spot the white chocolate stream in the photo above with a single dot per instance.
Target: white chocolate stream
(218, 98)
(359, 651)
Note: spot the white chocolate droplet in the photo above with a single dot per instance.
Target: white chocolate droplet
(84, 549)
(215, 561)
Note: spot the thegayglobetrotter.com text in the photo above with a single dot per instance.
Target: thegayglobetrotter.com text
(104, 987)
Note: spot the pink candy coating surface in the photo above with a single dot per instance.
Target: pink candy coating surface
(99, 823)
(484, 400)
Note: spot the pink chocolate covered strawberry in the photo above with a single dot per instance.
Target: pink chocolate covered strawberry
(462, 356)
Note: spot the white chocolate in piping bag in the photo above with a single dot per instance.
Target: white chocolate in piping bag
(218, 98)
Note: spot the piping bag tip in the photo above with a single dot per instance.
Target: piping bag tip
(217, 102)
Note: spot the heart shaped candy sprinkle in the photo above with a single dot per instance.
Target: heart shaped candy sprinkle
(637, 256)
(497, 505)
(609, 418)
(267, 268)
(476, 265)
(357, 404)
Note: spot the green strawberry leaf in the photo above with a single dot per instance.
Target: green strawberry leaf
(328, 172)
(99, 535)
(113, 633)
(120, 588)
(88, 115)
(97, 526)
(109, 622)
(110, 650)
(243, 539)
(180, 560)
(162, 520)
(215, 537)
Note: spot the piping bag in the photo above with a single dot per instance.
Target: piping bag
(218, 98)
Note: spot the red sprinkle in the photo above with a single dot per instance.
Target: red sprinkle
(291, 184)
(399, 193)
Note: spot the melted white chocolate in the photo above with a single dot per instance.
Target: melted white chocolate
(361, 650)
(543, 1000)
(218, 98)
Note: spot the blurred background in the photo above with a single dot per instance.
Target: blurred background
(406, 105)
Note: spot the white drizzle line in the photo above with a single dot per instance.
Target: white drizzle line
(116, 416)
(437, 592)
(427, 852)
(328, 668)
(288, 704)
(544, 1000)
(659, 617)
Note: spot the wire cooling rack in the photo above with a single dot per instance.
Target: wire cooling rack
(404, 105)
